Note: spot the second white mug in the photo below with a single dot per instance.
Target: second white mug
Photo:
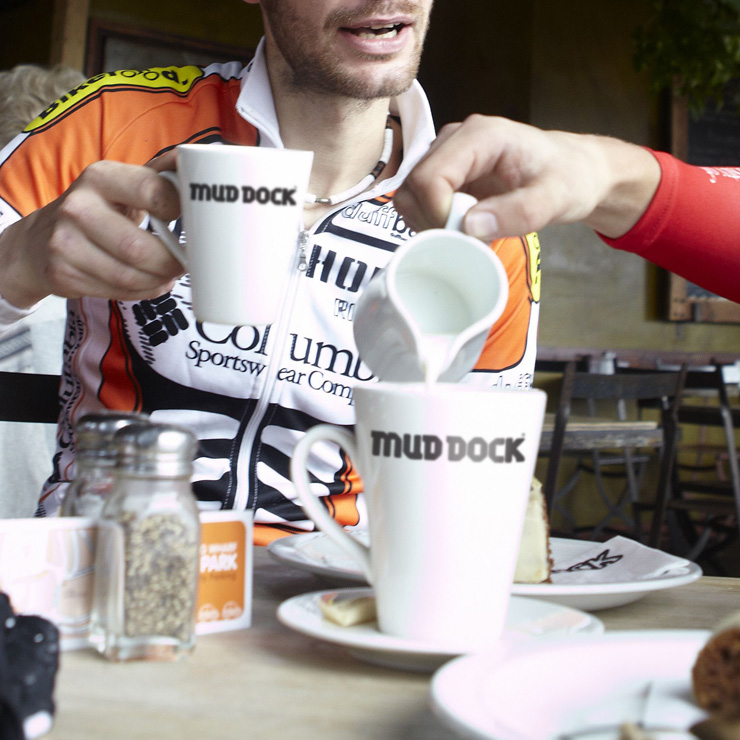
(242, 208)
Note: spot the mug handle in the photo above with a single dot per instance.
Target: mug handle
(461, 204)
(311, 503)
(162, 230)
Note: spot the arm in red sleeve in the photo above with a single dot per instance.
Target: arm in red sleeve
(692, 226)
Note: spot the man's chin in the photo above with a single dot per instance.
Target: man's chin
(371, 86)
(368, 92)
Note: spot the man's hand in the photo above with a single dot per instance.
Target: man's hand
(526, 178)
(88, 243)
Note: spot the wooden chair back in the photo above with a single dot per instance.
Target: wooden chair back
(716, 497)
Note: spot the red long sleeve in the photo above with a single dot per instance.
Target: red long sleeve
(692, 226)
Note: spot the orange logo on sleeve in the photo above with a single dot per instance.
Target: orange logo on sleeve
(178, 79)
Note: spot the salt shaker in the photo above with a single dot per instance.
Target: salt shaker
(94, 461)
(146, 565)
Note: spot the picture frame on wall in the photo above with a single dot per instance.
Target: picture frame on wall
(113, 46)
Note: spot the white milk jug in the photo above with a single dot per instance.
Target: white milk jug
(426, 316)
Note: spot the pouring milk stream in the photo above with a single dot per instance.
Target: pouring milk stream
(426, 316)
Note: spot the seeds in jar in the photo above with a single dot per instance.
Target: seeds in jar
(159, 569)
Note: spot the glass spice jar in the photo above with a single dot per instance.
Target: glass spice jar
(94, 461)
(146, 564)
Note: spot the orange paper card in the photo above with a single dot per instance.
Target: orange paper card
(225, 582)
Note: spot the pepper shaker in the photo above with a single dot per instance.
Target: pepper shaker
(94, 461)
(146, 565)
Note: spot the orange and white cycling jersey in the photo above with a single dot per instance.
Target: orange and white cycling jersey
(249, 393)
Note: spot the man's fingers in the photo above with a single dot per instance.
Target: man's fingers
(166, 161)
(444, 133)
(102, 277)
(73, 267)
(86, 243)
(462, 155)
(425, 198)
(413, 204)
(132, 187)
(105, 205)
(512, 213)
(103, 238)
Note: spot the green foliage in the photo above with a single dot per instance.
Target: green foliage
(693, 46)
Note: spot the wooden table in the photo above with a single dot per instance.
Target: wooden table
(269, 682)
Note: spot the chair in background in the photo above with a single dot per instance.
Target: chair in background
(613, 444)
(29, 397)
(702, 506)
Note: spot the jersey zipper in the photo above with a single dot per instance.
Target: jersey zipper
(279, 336)
(303, 239)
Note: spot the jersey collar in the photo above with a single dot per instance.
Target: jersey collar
(256, 105)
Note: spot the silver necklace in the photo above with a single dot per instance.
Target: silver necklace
(366, 181)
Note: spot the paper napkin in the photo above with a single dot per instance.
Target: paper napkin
(615, 561)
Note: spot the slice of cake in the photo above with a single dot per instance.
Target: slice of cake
(347, 610)
(534, 563)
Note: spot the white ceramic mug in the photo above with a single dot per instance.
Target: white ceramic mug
(446, 471)
(427, 315)
(242, 208)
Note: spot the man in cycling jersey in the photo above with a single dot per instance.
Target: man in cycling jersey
(333, 76)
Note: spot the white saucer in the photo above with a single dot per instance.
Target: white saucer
(316, 553)
(575, 687)
(527, 618)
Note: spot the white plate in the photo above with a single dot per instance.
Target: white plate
(316, 553)
(527, 618)
(595, 596)
(566, 688)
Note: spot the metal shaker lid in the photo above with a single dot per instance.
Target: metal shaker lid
(94, 432)
(155, 449)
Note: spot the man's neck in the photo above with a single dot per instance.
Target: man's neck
(345, 135)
